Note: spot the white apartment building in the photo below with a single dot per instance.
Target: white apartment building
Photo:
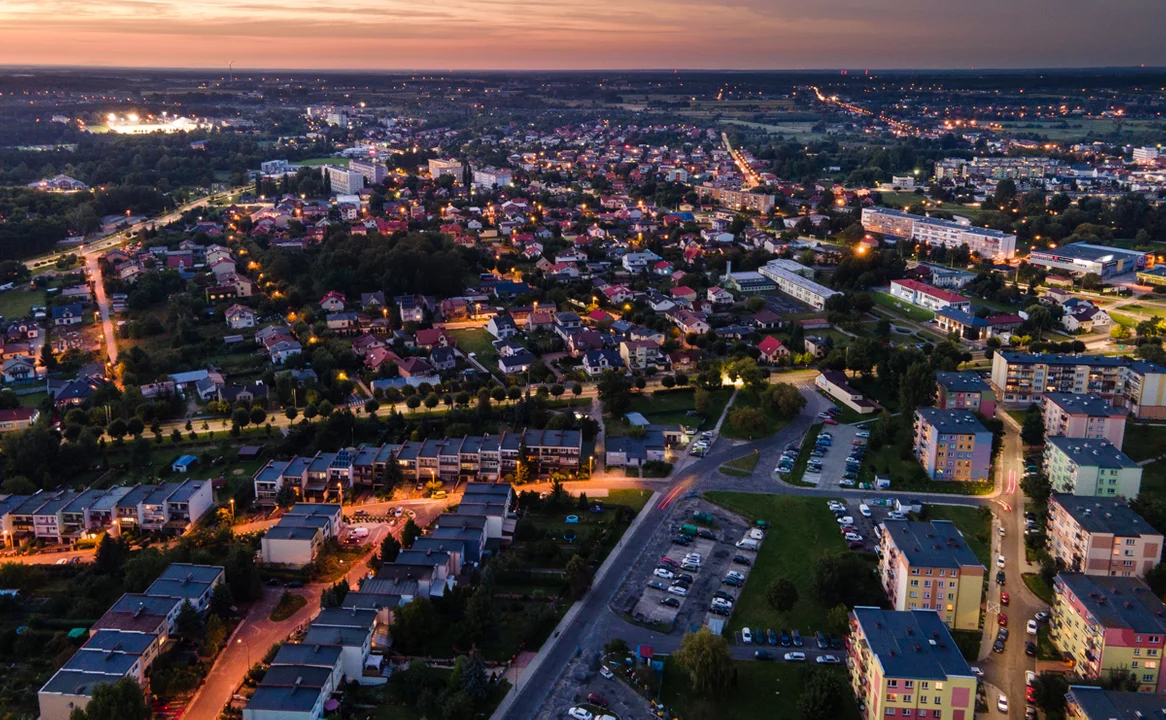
(438, 167)
(342, 180)
(491, 177)
(933, 231)
(374, 172)
(796, 286)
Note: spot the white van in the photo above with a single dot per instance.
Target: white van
(747, 544)
(864, 510)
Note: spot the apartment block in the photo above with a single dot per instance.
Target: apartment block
(1101, 536)
(438, 167)
(985, 242)
(926, 296)
(374, 172)
(1021, 379)
(1110, 624)
(1089, 702)
(906, 664)
(929, 566)
(952, 445)
(1090, 468)
(964, 390)
(341, 180)
(1090, 417)
(1145, 390)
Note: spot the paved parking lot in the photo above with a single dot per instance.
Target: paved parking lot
(782, 304)
(642, 602)
(834, 462)
(582, 678)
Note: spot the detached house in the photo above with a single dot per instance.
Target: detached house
(240, 317)
(595, 362)
(772, 350)
(333, 302)
(68, 314)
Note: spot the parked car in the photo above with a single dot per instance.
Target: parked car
(657, 584)
(795, 657)
(606, 673)
(670, 602)
(785, 641)
(746, 636)
(1002, 620)
(772, 636)
(1041, 616)
(1000, 561)
(796, 636)
(597, 699)
(998, 646)
(762, 655)
(1005, 599)
(826, 660)
(829, 420)
(742, 560)
(1030, 649)
(678, 590)
(664, 573)
(1002, 704)
(579, 713)
(1031, 627)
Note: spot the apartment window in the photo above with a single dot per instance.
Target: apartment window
(924, 685)
(906, 712)
(928, 571)
(892, 683)
(941, 573)
(1147, 677)
(1155, 639)
(926, 583)
(1137, 638)
(890, 711)
(913, 594)
(1130, 541)
(914, 571)
(1137, 652)
(1134, 663)
(922, 699)
(915, 583)
(1152, 652)
(938, 701)
(908, 684)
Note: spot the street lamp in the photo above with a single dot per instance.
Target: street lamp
(248, 646)
(232, 511)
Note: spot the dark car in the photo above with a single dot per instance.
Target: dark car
(718, 610)
(597, 699)
(762, 655)
(772, 636)
(998, 646)
(706, 534)
(670, 602)
(785, 641)
(835, 642)
(723, 595)
(271, 582)
(1030, 649)
(295, 584)
(685, 577)
(1002, 634)
(681, 540)
(742, 560)
(797, 638)
(732, 581)
(1000, 578)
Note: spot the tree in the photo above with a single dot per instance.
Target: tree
(221, 600)
(214, 636)
(749, 420)
(390, 549)
(123, 700)
(701, 399)
(116, 429)
(135, 426)
(706, 659)
(615, 392)
(862, 355)
(188, 624)
(783, 399)
(1120, 332)
(782, 594)
(414, 625)
(1049, 689)
(392, 476)
(844, 579)
(240, 418)
(1032, 431)
(111, 556)
(285, 496)
(917, 388)
(258, 416)
(409, 533)
(579, 576)
(824, 694)
(617, 647)
(838, 620)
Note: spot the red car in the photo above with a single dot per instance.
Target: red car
(669, 561)
(1002, 619)
(830, 421)
(597, 699)
(1030, 695)
(1004, 598)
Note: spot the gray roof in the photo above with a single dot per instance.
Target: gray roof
(901, 641)
(130, 642)
(370, 601)
(934, 544)
(1091, 453)
(1058, 359)
(197, 573)
(389, 586)
(422, 557)
(952, 421)
(284, 699)
(961, 381)
(106, 662)
(349, 637)
(311, 655)
(324, 509)
(345, 617)
(1092, 404)
(1118, 603)
(186, 490)
(76, 682)
(289, 532)
(1098, 704)
(145, 604)
(1104, 515)
(306, 676)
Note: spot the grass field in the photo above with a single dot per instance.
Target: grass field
(762, 690)
(899, 307)
(1039, 587)
(477, 341)
(742, 466)
(671, 407)
(343, 162)
(15, 303)
(802, 530)
(1143, 442)
(974, 523)
(905, 199)
(633, 498)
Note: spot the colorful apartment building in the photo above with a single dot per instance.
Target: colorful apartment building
(964, 390)
(1101, 536)
(1089, 702)
(1108, 625)
(929, 566)
(1088, 416)
(1020, 379)
(906, 664)
(952, 445)
(1090, 467)
(1145, 390)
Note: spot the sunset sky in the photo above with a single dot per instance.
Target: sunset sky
(553, 34)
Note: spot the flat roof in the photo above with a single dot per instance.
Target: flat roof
(306, 676)
(289, 532)
(912, 644)
(106, 662)
(310, 655)
(1091, 453)
(131, 642)
(961, 381)
(936, 544)
(77, 682)
(359, 618)
(1092, 404)
(1117, 602)
(1104, 515)
(284, 699)
(1060, 359)
(347, 637)
(1098, 704)
(952, 421)
(1087, 251)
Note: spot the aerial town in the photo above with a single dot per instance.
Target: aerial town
(582, 395)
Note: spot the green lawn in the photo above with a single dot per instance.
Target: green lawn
(477, 341)
(802, 530)
(1039, 587)
(16, 303)
(670, 407)
(633, 498)
(900, 307)
(1143, 442)
(762, 690)
(742, 466)
(343, 162)
(974, 523)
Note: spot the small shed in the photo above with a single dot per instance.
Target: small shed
(636, 419)
(184, 463)
(249, 452)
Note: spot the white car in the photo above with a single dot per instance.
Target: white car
(736, 574)
(976, 671)
(1031, 627)
(693, 557)
(853, 537)
(756, 534)
(662, 573)
(795, 657)
(1000, 530)
(827, 660)
(1002, 704)
(580, 713)
(1029, 678)
(846, 483)
(606, 673)
(746, 636)
(846, 520)
(1000, 561)
(678, 590)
